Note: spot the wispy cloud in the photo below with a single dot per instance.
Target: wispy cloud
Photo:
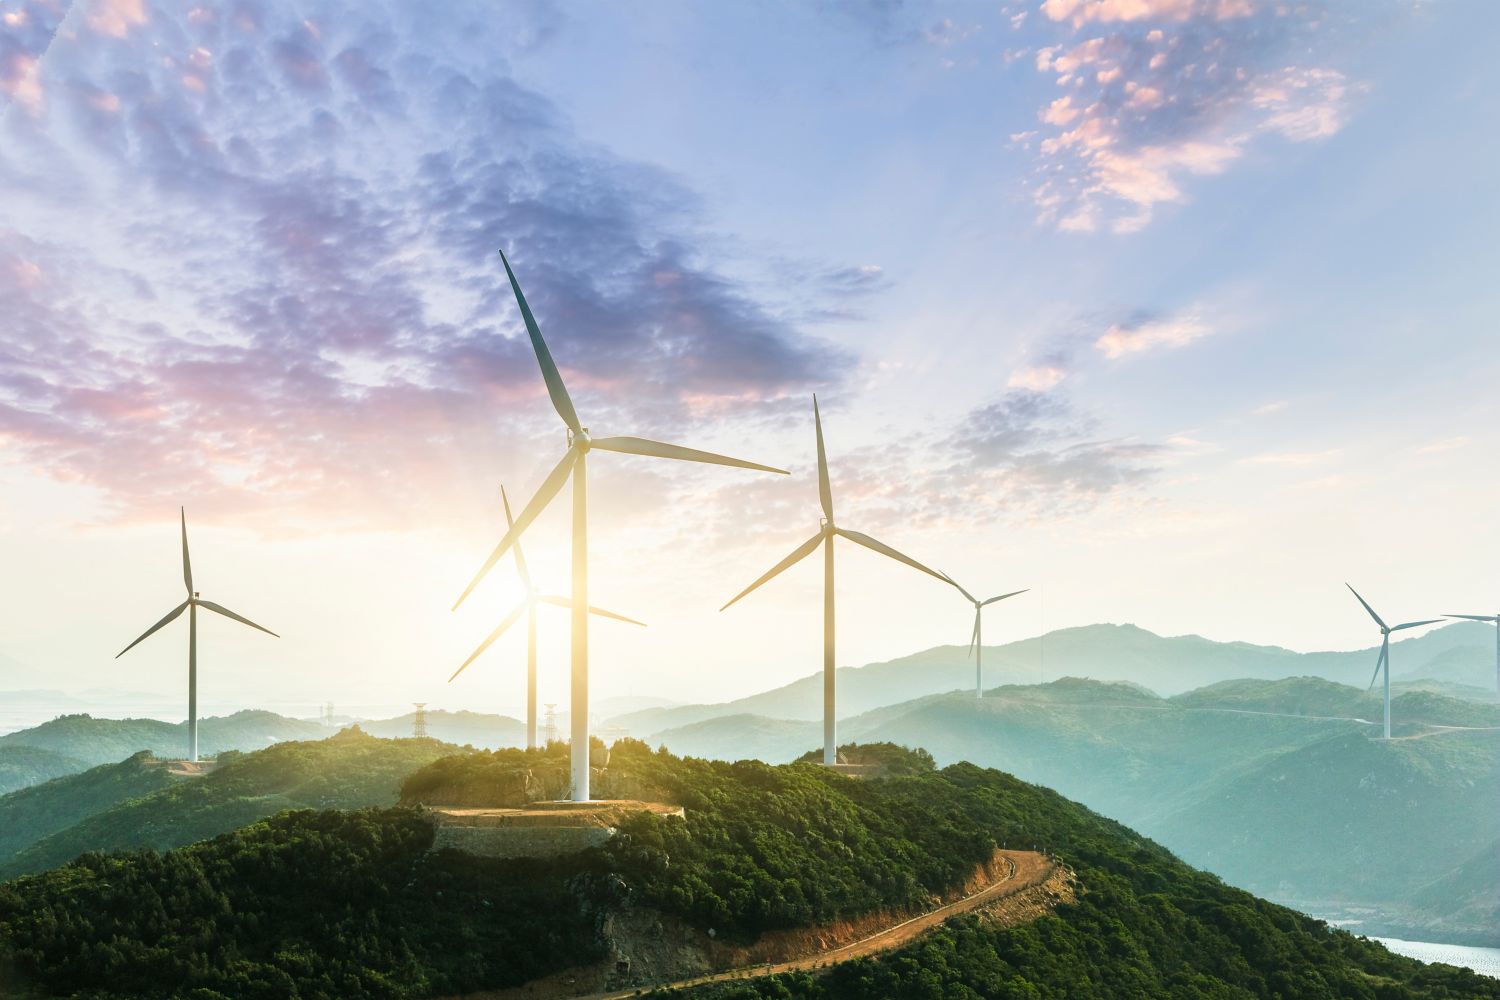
(1154, 92)
(253, 260)
(1144, 333)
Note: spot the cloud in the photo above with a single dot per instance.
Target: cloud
(1037, 378)
(1155, 92)
(277, 286)
(1144, 333)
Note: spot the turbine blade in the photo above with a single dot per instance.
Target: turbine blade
(1475, 618)
(886, 550)
(187, 564)
(1002, 597)
(210, 605)
(798, 554)
(170, 617)
(961, 590)
(1385, 645)
(1367, 606)
(549, 489)
(1430, 621)
(510, 620)
(825, 491)
(555, 388)
(974, 637)
(656, 449)
(520, 556)
(617, 617)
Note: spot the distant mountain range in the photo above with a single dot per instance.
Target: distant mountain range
(1461, 654)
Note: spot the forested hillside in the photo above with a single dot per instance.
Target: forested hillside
(349, 905)
(1229, 777)
(346, 771)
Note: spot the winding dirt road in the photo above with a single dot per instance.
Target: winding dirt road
(1024, 870)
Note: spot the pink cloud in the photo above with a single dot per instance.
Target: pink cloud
(1122, 339)
(1145, 110)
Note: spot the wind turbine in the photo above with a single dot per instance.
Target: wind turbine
(1493, 620)
(575, 464)
(1384, 660)
(825, 538)
(976, 642)
(191, 606)
(528, 607)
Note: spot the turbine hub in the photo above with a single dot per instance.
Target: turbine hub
(581, 439)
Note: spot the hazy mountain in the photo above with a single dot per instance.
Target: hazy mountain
(1207, 767)
(1354, 820)
(1169, 665)
(30, 814)
(459, 728)
(105, 741)
(131, 805)
(21, 766)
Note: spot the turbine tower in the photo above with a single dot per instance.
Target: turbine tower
(1384, 660)
(575, 464)
(1495, 621)
(825, 538)
(976, 641)
(191, 606)
(528, 606)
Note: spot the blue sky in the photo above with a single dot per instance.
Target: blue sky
(1178, 311)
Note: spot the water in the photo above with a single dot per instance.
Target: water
(1485, 961)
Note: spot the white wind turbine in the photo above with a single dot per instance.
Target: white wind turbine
(825, 538)
(1495, 621)
(528, 607)
(976, 641)
(191, 606)
(575, 464)
(1384, 660)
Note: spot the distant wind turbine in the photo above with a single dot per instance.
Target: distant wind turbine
(191, 606)
(528, 606)
(1384, 660)
(1493, 620)
(825, 537)
(575, 463)
(976, 641)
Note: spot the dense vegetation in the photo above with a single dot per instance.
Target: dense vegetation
(346, 771)
(307, 904)
(30, 814)
(23, 766)
(352, 904)
(1243, 778)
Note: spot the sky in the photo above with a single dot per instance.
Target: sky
(1179, 313)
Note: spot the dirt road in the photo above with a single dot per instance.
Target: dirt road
(1023, 870)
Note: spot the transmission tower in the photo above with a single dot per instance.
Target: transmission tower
(419, 720)
(549, 725)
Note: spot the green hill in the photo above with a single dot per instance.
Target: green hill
(346, 771)
(352, 905)
(1267, 763)
(30, 814)
(106, 741)
(21, 766)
